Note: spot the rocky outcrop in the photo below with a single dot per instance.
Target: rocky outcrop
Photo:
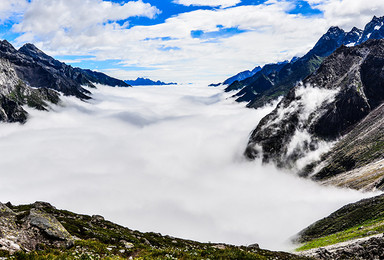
(14, 93)
(328, 104)
(27, 230)
(257, 93)
(364, 249)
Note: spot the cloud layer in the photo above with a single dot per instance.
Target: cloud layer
(163, 159)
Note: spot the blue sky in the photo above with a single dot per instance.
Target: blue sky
(177, 40)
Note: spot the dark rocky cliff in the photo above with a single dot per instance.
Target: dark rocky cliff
(347, 87)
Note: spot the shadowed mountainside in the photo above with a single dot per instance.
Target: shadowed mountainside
(30, 77)
(328, 104)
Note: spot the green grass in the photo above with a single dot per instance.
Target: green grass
(366, 229)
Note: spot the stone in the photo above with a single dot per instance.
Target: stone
(97, 218)
(254, 246)
(48, 225)
(127, 245)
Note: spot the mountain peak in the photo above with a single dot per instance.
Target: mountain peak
(5, 46)
(31, 50)
(335, 30)
(355, 29)
(30, 46)
(376, 21)
(373, 30)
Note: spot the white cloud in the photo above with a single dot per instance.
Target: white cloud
(271, 35)
(47, 18)
(214, 3)
(161, 159)
(269, 28)
(349, 13)
(10, 8)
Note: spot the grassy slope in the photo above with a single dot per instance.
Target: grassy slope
(360, 219)
(100, 239)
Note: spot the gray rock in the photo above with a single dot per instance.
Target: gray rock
(254, 246)
(97, 218)
(48, 224)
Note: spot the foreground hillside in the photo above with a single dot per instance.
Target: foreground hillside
(353, 232)
(40, 231)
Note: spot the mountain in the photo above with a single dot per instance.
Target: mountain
(242, 75)
(146, 82)
(67, 72)
(258, 93)
(352, 232)
(30, 77)
(257, 83)
(356, 161)
(347, 87)
(100, 78)
(40, 231)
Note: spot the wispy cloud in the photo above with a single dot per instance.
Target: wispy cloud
(349, 13)
(214, 3)
(11, 8)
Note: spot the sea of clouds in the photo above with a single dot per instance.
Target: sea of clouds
(162, 159)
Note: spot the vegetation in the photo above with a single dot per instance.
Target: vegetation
(369, 228)
(357, 220)
(96, 238)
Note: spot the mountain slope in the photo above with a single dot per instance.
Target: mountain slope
(40, 231)
(30, 77)
(242, 75)
(298, 69)
(363, 219)
(347, 87)
(356, 161)
(258, 83)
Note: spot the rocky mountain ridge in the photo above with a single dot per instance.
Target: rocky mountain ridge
(257, 93)
(30, 77)
(242, 75)
(325, 106)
